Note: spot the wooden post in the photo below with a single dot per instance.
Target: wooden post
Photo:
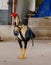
(14, 9)
(14, 5)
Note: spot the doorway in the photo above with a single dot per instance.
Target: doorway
(5, 12)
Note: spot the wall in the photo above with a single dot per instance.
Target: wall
(41, 27)
(22, 7)
(6, 32)
(32, 5)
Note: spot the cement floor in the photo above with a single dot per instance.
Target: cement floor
(40, 54)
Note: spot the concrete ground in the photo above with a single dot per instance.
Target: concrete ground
(40, 54)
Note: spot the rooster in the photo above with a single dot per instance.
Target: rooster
(23, 33)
